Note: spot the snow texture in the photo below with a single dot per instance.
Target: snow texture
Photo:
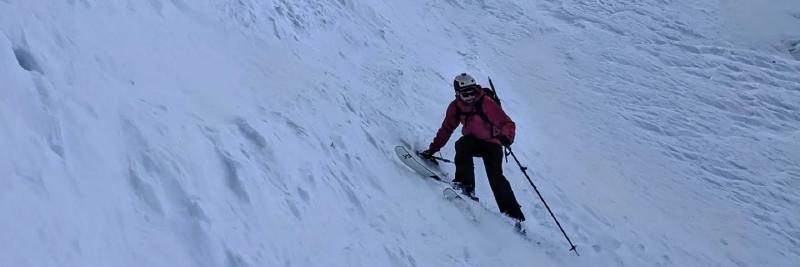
(260, 133)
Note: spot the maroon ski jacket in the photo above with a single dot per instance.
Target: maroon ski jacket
(499, 123)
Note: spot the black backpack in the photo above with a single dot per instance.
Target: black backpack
(492, 94)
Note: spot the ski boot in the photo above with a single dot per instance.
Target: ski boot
(468, 191)
(519, 227)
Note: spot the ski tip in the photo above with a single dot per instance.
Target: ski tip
(450, 194)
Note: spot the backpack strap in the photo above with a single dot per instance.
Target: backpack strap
(478, 111)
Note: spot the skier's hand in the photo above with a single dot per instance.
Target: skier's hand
(504, 140)
(427, 154)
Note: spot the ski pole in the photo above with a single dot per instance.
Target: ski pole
(435, 158)
(491, 85)
(524, 171)
(442, 159)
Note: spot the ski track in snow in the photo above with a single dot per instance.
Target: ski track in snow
(260, 133)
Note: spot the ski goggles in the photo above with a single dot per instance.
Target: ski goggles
(468, 93)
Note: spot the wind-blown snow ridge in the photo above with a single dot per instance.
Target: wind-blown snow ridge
(260, 133)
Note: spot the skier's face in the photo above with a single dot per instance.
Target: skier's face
(468, 96)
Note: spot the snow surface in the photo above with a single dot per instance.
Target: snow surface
(260, 133)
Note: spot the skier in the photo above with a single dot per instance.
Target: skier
(486, 130)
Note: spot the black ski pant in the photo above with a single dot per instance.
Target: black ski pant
(468, 147)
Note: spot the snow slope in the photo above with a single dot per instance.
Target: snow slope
(260, 133)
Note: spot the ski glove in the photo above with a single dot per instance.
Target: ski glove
(504, 140)
(427, 154)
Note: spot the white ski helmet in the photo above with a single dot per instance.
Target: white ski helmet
(463, 80)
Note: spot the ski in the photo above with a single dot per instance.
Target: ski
(414, 162)
(449, 191)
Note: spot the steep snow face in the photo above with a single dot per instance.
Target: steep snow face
(757, 24)
(794, 49)
(683, 116)
(260, 133)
